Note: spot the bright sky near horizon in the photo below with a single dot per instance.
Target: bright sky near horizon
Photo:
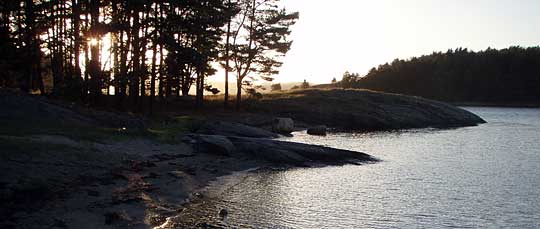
(332, 37)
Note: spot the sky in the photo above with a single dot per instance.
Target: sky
(335, 36)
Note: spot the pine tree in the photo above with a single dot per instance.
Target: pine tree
(260, 39)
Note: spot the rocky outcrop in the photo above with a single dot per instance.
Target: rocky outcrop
(234, 129)
(298, 154)
(317, 130)
(273, 151)
(363, 110)
(283, 125)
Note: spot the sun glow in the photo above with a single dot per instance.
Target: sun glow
(93, 42)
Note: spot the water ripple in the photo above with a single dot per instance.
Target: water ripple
(485, 176)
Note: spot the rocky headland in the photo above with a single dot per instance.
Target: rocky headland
(69, 166)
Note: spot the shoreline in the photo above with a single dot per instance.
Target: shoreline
(139, 193)
(210, 191)
(149, 183)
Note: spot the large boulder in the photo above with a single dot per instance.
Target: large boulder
(283, 125)
(317, 130)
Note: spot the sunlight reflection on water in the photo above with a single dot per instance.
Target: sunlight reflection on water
(485, 176)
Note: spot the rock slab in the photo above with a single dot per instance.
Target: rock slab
(234, 129)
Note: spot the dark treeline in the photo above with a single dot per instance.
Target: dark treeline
(509, 75)
(84, 49)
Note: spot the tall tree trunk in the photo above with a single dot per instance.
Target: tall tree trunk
(95, 65)
(154, 57)
(153, 78)
(54, 51)
(227, 44)
(30, 44)
(77, 39)
(238, 92)
(86, 88)
(144, 69)
(186, 82)
(168, 84)
(136, 59)
(116, 38)
(161, 55)
(39, 77)
(123, 66)
(124, 48)
(115, 66)
(199, 97)
(241, 75)
(63, 44)
(161, 72)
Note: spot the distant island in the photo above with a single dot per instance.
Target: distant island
(509, 77)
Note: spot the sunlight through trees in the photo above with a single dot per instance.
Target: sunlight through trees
(85, 49)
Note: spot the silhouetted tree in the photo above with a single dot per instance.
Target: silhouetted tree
(138, 48)
(304, 85)
(260, 39)
(349, 79)
(275, 87)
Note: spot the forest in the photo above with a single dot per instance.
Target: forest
(138, 52)
(506, 76)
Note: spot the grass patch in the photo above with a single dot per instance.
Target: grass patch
(87, 133)
(166, 131)
(161, 130)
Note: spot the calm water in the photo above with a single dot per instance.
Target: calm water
(484, 176)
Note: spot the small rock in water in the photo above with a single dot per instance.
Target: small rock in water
(223, 213)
